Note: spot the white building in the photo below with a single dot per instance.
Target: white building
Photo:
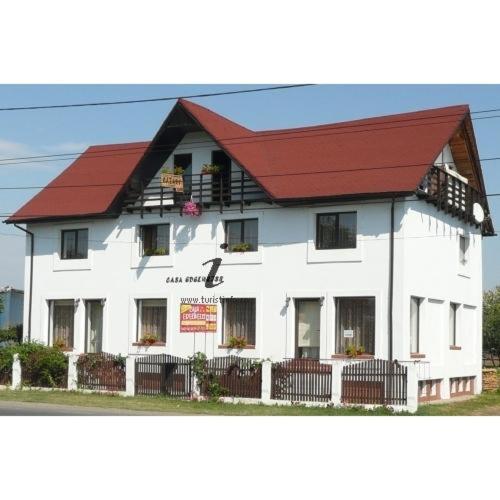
(364, 234)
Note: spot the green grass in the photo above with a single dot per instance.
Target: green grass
(483, 404)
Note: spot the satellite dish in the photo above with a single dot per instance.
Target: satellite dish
(478, 212)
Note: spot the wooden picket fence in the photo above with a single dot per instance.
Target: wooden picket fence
(101, 372)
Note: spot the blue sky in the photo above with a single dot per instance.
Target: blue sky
(26, 133)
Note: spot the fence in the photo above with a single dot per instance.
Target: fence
(6, 377)
(163, 374)
(301, 380)
(376, 381)
(101, 372)
(236, 377)
(491, 359)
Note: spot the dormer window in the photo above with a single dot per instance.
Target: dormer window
(74, 243)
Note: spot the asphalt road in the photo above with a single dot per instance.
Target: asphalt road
(43, 409)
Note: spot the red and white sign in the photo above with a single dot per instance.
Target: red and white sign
(198, 318)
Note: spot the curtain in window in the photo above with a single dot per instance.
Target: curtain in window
(453, 324)
(63, 313)
(154, 318)
(239, 319)
(336, 230)
(94, 325)
(356, 314)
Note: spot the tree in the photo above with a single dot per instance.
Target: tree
(491, 319)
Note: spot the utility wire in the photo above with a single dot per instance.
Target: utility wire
(155, 99)
(255, 137)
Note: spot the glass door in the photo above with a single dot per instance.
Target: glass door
(93, 335)
(307, 328)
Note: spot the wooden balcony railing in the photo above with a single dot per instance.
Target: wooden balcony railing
(451, 195)
(221, 190)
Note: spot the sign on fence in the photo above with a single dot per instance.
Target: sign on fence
(198, 318)
(172, 181)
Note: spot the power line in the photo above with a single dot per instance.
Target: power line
(155, 99)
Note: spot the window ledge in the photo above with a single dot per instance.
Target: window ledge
(147, 344)
(455, 348)
(417, 355)
(237, 348)
(67, 349)
(359, 356)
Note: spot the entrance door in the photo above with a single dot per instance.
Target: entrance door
(221, 182)
(93, 334)
(307, 328)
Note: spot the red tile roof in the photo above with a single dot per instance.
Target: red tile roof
(387, 154)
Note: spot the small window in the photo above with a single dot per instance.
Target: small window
(155, 240)
(152, 320)
(415, 320)
(355, 324)
(464, 250)
(453, 324)
(62, 316)
(242, 235)
(74, 243)
(238, 320)
(336, 230)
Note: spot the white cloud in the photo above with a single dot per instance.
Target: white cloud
(67, 147)
(10, 149)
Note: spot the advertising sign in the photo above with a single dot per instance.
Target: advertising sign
(198, 318)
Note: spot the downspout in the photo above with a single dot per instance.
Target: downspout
(391, 282)
(30, 296)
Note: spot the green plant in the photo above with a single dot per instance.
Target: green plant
(241, 247)
(148, 252)
(12, 334)
(210, 169)
(491, 320)
(42, 366)
(149, 338)
(352, 351)
(175, 170)
(208, 382)
(236, 342)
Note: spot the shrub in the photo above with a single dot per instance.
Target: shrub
(12, 334)
(42, 366)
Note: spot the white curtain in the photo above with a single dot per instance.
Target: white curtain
(153, 313)
(63, 313)
(239, 319)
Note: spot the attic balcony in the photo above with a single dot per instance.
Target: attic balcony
(452, 195)
(216, 191)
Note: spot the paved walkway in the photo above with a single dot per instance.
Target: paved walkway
(44, 409)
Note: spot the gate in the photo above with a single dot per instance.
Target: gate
(237, 377)
(376, 381)
(162, 374)
(301, 380)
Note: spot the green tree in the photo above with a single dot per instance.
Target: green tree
(491, 319)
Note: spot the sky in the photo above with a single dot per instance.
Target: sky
(38, 132)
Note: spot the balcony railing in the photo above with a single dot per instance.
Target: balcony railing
(450, 194)
(221, 190)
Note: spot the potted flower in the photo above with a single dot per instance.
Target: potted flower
(241, 247)
(149, 252)
(209, 169)
(191, 208)
(235, 342)
(149, 339)
(352, 351)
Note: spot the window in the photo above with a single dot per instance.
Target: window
(238, 320)
(464, 249)
(336, 230)
(307, 328)
(453, 324)
(242, 235)
(355, 324)
(152, 320)
(185, 161)
(62, 314)
(221, 182)
(415, 306)
(93, 325)
(155, 240)
(74, 243)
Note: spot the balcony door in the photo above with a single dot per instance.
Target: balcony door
(94, 322)
(222, 180)
(307, 328)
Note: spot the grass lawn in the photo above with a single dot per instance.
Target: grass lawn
(485, 404)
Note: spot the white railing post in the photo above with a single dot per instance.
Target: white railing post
(337, 382)
(412, 388)
(130, 376)
(266, 381)
(72, 372)
(16, 373)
